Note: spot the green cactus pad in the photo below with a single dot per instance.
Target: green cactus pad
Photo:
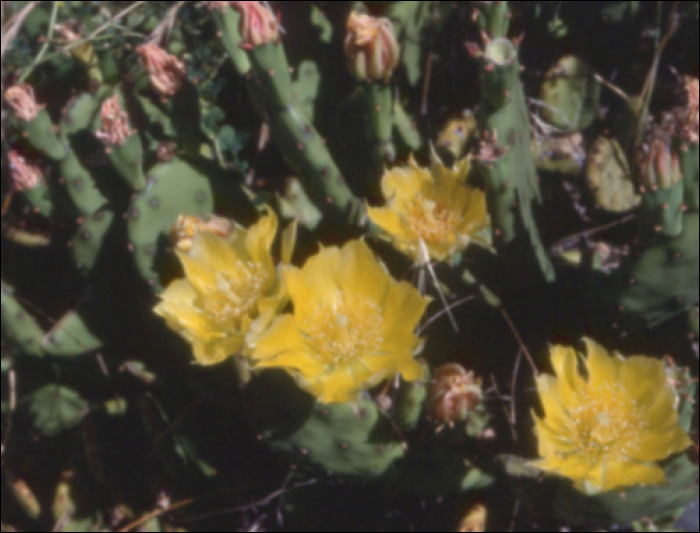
(81, 113)
(18, 326)
(570, 94)
(694, 321)
(305, 87)
(127, 159)
(411, 401)
(663, 209)
(80, 185)
(174, 188)
(41, 134)
(663, 280)
(688, 157)
(270, 86)
(55, 409)
(87, 241)
(39, 198)
(70, 337)
(609, 177)
(503, 122)
(557, 498)
(343, 439)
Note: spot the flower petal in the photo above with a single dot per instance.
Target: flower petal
(624, 473)
(643, 377)
(602, 368)
(656, 447)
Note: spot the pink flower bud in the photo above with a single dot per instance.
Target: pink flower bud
(22, 101)
(454, 394)
(115, 123)
(166, 71)
(258, 24)
(370, 47)
(24, 176)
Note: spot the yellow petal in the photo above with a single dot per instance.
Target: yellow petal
(661, 414)
(215, 251)
(403, 308)
(656, 447)
(339, 387)
(260, 236)
(565, 364)
(198, 273)
(625, 473)
(359, 273)
(643, 377)
(391, 222)
(602, 368)
(212, 353)
(548, 388)
(313, 283)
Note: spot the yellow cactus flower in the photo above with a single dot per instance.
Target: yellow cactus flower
(432, 213)
(607, 431)
(231, 290)
(352, 326)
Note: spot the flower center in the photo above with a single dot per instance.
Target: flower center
(343, 330)
(234, 296)
(606, 422)
(433, 219)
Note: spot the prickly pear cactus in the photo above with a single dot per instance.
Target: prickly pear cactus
(299, 266)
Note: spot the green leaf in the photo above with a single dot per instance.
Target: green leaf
(56, 409)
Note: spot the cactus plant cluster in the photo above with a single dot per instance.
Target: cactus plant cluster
(240, 287)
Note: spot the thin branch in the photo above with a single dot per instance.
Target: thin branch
(45, 46)
(523, 347)
(593, 231)
(513, 387)
(650, 82)
(444, 312)
(166, 25)
(107, 25)
(10, 30)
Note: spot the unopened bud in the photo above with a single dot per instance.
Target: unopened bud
(454, 394)
(258, 24)
(370, 47)
(115, 123)
(22, 101)
(167, 72)
(24, 176)
(659, 166)
(186, 226)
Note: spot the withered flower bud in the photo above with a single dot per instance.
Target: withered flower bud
(22, 101)
(454, 394)
(258, 24)
(370, 47)
(115, 123)
(659, 166)
(185, 227)
(24, 176)
(166, 71)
